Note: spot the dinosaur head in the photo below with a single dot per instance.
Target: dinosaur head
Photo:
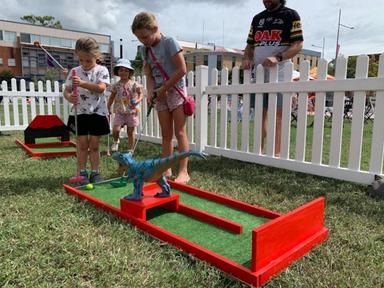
(123, 158)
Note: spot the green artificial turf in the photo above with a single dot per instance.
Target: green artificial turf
(236, 247)
(47, 140)
(54, 149)
(58, 148)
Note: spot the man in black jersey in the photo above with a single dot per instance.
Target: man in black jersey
(275, 37)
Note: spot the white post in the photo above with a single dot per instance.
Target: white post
(201, 122)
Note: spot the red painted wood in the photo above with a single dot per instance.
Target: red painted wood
(284, 239)
(254, 210)
(210, 218)
(52, 144)
(139, 209)
(236, 270)
(46, 121)
(283, 261)
(28, 149)
(275, 238)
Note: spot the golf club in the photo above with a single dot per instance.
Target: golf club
(77, 178)
(37, 44)
(145, 122)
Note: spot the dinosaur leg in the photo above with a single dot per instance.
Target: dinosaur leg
(165, 188)
(137, 190)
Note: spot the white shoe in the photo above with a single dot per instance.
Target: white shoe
(115, 146)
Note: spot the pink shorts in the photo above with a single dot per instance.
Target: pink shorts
(169, 103)
(131, 120)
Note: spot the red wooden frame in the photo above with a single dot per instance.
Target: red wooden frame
(29, 149)
(275, 245)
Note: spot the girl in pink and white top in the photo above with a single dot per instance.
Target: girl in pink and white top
(169, 104)
(125, 97)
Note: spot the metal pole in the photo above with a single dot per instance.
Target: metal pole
(121, 48)
(322, 52)
(337, 37)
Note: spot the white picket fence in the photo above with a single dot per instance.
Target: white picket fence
(44, 101)
(215, 129)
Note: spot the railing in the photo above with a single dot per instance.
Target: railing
(328, 148)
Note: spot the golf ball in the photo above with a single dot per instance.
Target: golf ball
(89, 186)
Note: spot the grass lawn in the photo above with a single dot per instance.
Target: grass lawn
(51, 239)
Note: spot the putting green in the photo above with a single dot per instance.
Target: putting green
(54, 149)
(47, 140)
(236, 247)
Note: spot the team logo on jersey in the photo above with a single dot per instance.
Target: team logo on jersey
(261, 23)
(268, 35)
(296, 25)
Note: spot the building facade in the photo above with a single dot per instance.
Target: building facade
(23, 59)
(219, 57)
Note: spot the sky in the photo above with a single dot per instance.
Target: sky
(222, 22)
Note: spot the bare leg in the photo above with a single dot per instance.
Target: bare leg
(166, 124)
(264, 130)
(131, 137)
(116, 132)
(279, 115)
(83, 144)
(94, 153)
(183, 144)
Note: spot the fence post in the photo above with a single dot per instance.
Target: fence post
(201, 120)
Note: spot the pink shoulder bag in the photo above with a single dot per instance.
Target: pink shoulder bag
(189, 103)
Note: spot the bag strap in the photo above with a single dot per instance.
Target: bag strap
(163, 73)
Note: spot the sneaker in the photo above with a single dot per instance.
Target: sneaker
(95, 177)
(115, 146)
(85, 180)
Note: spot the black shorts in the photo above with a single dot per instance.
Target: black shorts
(89, 124)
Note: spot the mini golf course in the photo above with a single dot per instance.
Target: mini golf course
(248, 242)
(49, 147)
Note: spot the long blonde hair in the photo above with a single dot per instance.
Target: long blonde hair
(144, 20)
(89, 45)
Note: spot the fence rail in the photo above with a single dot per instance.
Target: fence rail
(228, 124)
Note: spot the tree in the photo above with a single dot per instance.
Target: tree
(6, 75)
(51, 74)
(137, 64)
(48, 21)
(351, 67)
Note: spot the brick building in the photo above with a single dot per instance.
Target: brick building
(24, 60)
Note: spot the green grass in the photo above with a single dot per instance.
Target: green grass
(346, 138)
(51, 239)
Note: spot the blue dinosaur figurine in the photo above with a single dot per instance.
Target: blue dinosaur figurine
(150, 171)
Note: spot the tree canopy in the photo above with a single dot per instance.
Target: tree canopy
(48, 21)
(351, 67)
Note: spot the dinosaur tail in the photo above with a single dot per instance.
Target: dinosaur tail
(177, 156)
